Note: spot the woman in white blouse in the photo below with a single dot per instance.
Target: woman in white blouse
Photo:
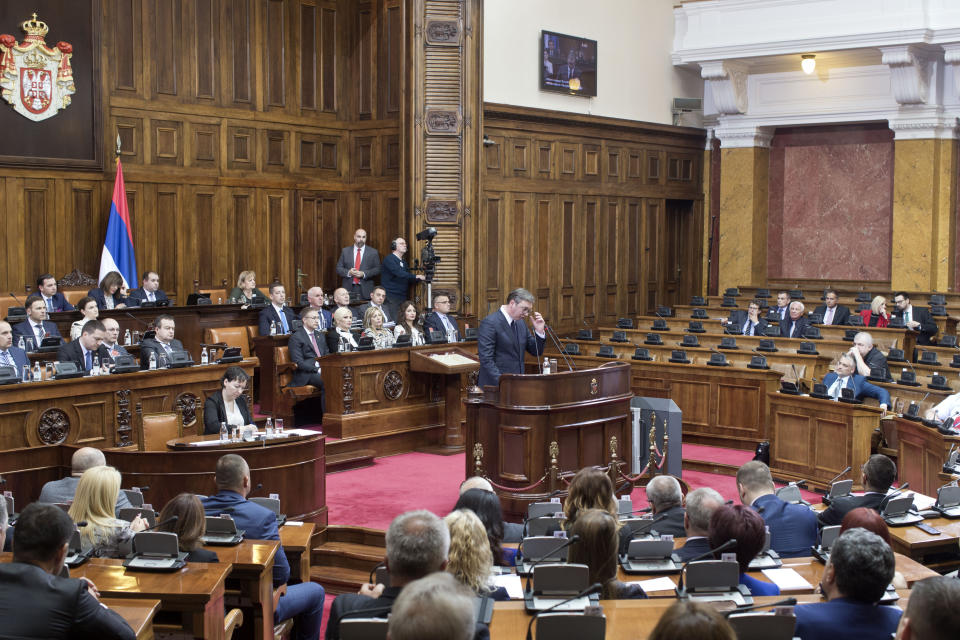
(340, 338)
(89, 310)
(407, 324)
(228, 405)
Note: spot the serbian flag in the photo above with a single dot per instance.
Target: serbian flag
(118, 246)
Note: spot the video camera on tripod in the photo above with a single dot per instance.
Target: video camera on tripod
(428, 258)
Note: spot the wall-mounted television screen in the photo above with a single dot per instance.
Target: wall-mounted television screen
(568, 65)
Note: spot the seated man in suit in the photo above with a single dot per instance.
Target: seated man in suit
(666, 499)
(437, 606)
(276, 314)
(359, 265)
(62, 491)
(503, 338)
(831, 312)
(796, 324)
(11, 356)
(512, 531)
(793, 527)
(701, 503)
(844, 376)
(87, 351)
(749, 322)
(782, 310)
(315, 300)
(303, 602)
(53, 299)
(162, 345)
(915, 319)
(861, 566)
(440, 319)
(932, 612)
(341, 297)
(867, 356)
(111, 338)
(36, 327)
(40, 603)
(877, 474)
(417, 545)
(306, 346)
(377, 299)
(149, 291)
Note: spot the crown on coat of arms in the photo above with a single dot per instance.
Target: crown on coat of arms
(34, 27)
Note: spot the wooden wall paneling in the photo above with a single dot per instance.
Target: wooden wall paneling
(366, 70)
(202, 28)
(391, 58)
(591, 229)
(277, 39)
(492, 157)
(125, 46)
(203, 248)
(167, 142)
(38, 205)
(276, 145)
(490, 271)
(309, 56)
(83, 209)
(331, 81)
(169, 220)
(613, 164)
(238, 61)
(130, 130)
(610, 230)
(519, 156)
(655, 173)
(591, 162)
(633, 254)
(164, 29)
(203, 145)
(651, 262)
(544, 251)
(277, 209)
(544, 156)
(569, 307)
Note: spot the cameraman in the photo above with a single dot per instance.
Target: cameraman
(396, 277)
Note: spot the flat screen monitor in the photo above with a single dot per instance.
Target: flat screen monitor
(568, 64)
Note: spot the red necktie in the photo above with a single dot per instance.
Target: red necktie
(356, 265)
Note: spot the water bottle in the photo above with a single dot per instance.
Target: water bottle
(127, 339)
(273, 328)
(224, 432)
(21, 343)
(37, 376)
(268, 430)
(219, 300)
(26, 372)
(153, 361)
(235, 436)
(95, 371)
(268, 427)
(546, 365)
(204, 356)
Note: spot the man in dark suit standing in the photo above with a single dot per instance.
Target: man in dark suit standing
(831, 312)
(276, 313)
(793, 527)
(915, 318)
(46, 605)
(796, 323)
(162, 345)
(359, 265)
(878, 473)
(87, 350)
(11, 356)
(701, 503)
(36, 327)
(306, 346)
(149, 291)
(666, 500)
(861, 566)
(749, 322)
(440, 320)
(55, 301)
(503, 337)
(396, 278)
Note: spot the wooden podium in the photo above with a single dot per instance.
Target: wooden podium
(814, 439)
(435, 363)
(519, 430)
(921, 452)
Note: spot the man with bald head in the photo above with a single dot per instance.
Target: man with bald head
(62, 491)
(111, 338)
(341, 297)
(359, 265)
(11, 356)
(315, 300)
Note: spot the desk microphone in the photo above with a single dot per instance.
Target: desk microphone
(839, 475)
(639, 531)
(14, 296)
(887, 498)
(169, 520)
(596, 587)
(575, 538)
(787, 602)
(555, 339)
(146, 324)
(729, 544)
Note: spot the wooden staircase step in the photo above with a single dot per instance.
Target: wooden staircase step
(346, 555)
(350, 460)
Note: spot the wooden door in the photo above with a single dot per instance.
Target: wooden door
(317, 246)
(682, 243)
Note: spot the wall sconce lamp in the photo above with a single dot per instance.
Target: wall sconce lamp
(808, 62)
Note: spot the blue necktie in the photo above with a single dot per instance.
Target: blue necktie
(89, 360)
(283, 321)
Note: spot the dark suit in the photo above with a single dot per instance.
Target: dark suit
(268, 314)
(304, 357)
(843, 619)
(927, 328)
(25, 329)
(568, 72)
(876, 359)
(73, 352)
(19, 357)
(304, 601)
(501, 346)
(326, 319)
(799, 327)
(693, 548)
(369, 264)
(59, 303)
(387, 315)
(738, 320)
(333, 340)
(673, 523)
(101, 298)
(349, 602)
(215, 412)
(840, 507)
(840, 315)
(153, 346)
(396, 278)
(861, 388)
(139, 296)
(40, 605)
(432, 321)
(793, 527)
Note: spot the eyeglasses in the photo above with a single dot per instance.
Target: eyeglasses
(525, 310)
(311, 317)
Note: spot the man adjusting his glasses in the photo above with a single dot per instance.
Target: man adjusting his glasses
(503, 337)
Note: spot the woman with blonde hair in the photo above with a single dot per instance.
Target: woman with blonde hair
(373, 327)
(104, 536)
(470, 559)
(246, 291)
(876, 315)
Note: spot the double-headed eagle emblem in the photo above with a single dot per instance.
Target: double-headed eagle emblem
(35, 79)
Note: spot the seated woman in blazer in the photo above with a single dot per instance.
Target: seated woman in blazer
(339, 337)
(108, 295)
(227, 405)
(246, 292)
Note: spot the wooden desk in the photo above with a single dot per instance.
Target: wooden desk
(919, 545)
(296, 541)
(193, 595)
(814, 440)
(251, 583)
(921, 452)
(138, 612)
(97, 411)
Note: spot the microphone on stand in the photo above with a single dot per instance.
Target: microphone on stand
(729, 544)
(787, 602)
(169, 520)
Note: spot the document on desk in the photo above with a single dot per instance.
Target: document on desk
(787, 579)
(510, 582)
(655, 584)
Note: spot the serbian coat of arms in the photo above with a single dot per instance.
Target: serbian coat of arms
(35, 79)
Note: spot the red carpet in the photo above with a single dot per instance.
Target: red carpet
(734, 457)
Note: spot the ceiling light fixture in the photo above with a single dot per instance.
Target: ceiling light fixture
(808, 62)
